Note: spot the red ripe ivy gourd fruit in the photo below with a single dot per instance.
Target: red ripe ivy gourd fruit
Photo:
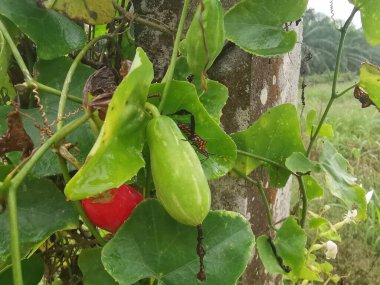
(110, 209)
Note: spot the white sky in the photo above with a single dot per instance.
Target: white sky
(342, 9)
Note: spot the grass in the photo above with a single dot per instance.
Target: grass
(357, 138)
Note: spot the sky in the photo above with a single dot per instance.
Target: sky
(342, 9)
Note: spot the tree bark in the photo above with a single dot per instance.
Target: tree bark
(255, 85)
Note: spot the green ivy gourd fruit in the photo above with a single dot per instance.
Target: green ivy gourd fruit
(180, 182)
(205, 36)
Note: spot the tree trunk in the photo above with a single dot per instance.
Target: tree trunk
(255, 84)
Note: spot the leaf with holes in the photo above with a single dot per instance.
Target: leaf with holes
(116, 156)
(257, 25)
(275, 136)
(152, 244)
(42, 210)
(341, 183)
(60, 35)
(93, 12)
(220, 147)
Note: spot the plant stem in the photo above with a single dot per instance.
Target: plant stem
(152, 110)
(15, 250)
(345, 91)
(304, 201)
(169, 74)
(58, 136)
(264, 159)
(69, 76)
(343, 32)
(262, 195)
(55, 91)
(15, 52)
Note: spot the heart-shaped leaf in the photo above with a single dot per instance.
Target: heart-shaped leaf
(42, 210)
(370, 10)
(340, 183)
(290, 243)
(220, 147)
(92, 268)
(257, 25)
(370, 82)
(60, 35)
(275, 136)
(116, 156)
(152, 244)
(267, 256)
(93, 12)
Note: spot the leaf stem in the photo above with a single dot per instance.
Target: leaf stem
(259, 185)
(152, 110)
(304, 200)
(15, 250)
(264, 159)
(15, 52)
(69, 76)
(343, 32)
(169, 74)
(345, 91)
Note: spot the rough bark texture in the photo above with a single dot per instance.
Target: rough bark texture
(255, 85)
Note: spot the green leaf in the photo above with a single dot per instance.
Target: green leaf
(300, 164)
(326, 129)
(316, 222)
(60, 35)
(92, 268)
(370, 81)
(220, 147)
(267, 256)
(312, 187)
(290, 243)
(42, 210)
(4, 171)
(152, 244)
(257, 25)
(214, 98)
(93, 12)
(116, 156)
(340, 183)
(275, 136)
(32, 271)
(370, 10)
(53, 73)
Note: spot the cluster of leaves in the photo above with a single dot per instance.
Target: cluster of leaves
(151, 244)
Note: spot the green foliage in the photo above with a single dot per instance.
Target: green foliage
(220, 147)
(42, 211)
(275, 136)
(92, 268)
(369, 10)
(60, 35)
(341, 184)
(116, 156)
(299, 163)
(256, 25)
(32, 269)
(205, 36)
(152, 244)
(370, 82)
